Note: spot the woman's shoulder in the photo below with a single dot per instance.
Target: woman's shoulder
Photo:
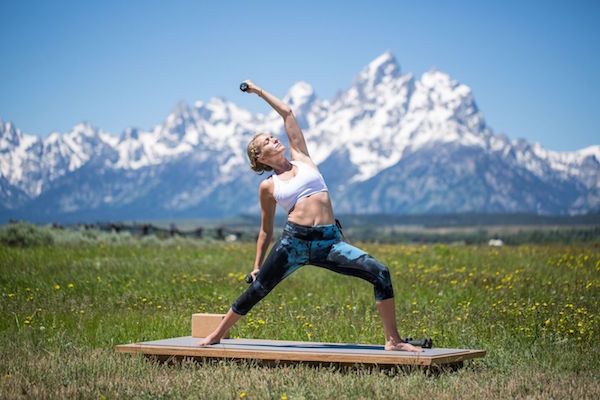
(306, 161)
(266, 186)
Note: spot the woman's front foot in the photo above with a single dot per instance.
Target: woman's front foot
(209, 340)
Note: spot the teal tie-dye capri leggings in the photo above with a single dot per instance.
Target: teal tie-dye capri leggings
(316, 245)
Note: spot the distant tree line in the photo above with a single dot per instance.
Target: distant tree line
(25, 234)
(18, 233)
(467, 219)
(480, 236)
(145, 229)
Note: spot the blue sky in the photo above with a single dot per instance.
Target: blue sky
(533, 67)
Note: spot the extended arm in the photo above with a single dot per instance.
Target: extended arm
(298, 147)
(267, 205)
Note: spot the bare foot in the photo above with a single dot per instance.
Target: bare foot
(400, 346)
(207, 341)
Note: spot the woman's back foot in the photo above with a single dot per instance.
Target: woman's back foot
(401, 346)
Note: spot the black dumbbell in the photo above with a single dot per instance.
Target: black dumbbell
(243, 86)
(426, 343)
(248, 278)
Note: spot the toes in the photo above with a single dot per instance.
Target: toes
(410, 348)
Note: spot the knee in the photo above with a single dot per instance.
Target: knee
(384, 289)
(383, 273)
(249, 298)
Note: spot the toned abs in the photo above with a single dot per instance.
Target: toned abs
(313, 210)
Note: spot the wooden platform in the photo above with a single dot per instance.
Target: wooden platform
(282, 350)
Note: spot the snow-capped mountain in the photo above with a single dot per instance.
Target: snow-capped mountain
(389, 143)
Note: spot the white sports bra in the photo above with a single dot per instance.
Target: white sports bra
(306, 182)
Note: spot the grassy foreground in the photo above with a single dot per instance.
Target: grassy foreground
(533, 308)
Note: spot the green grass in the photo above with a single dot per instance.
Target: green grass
(534, 308)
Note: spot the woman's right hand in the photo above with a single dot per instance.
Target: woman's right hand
(253, 274)
(252, 88)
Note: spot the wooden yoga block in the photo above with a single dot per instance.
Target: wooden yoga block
(204, 324)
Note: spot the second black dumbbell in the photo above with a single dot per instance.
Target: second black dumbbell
(426, 343)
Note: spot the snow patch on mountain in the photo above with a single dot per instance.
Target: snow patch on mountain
(15, 152)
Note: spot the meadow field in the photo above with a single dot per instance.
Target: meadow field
(534, 308)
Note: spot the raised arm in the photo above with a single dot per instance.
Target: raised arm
(298, 147)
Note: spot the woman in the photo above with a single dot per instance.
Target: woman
(310, 235)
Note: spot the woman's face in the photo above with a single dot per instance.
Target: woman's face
(270, 148)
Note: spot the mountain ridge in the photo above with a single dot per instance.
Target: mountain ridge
(370, 134)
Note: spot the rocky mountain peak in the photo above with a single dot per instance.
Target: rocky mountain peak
(382, 69)
(84, 131)
(130, 134)
(299, 94)
(180, 111)
(9, 136)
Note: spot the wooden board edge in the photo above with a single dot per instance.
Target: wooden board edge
(128, 348)
(276, 355)
(451, 358)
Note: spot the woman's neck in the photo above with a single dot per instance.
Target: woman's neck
(280, 166)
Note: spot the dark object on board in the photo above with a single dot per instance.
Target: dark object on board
(426, 343)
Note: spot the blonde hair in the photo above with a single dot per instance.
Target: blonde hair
(253, 154)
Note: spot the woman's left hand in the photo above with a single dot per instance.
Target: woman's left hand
(252, 88)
